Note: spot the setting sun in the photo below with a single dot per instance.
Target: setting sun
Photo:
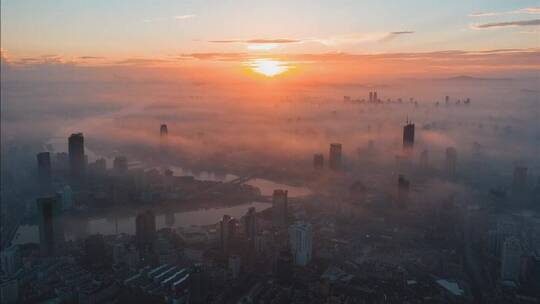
(268, 67)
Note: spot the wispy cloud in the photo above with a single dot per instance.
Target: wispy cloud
(177, 17)
(493, 25)
(183, 17)
(354, 38)
(527, 10)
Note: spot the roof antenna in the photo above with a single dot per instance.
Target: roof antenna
(407, 121)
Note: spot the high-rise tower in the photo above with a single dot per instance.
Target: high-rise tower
(76, 155)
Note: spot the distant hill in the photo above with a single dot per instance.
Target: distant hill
(472, 78)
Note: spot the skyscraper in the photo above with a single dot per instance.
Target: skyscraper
(250, 221)
(76, 155)
(51, 233)
(279, 209)
(451, 161)
(300, 238)
(227, 232)
(511, 259)
(318, 161)
(145, 229)
(334, 160)
(408, 135)
(163, 138)
(44, 167)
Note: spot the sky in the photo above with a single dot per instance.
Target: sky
(271, 36)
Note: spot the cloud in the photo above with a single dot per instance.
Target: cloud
(182, 17)
(506, 24)
(258, 41)
(177, 17)
(527, 10)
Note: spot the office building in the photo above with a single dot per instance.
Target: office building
(318, 161)
(44, 167)
(300, 241)
(145, 230)
(511, 260)
(77, 160)
(451, 161)
(279, 209)
(334, 160)
(51, 233)
(408, 135)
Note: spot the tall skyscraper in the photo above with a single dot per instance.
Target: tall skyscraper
(250, 221)
(408, 135)
(318, 161)
(44, 167)
(519, 181)
(163, 138)
(334, 160)
(51, 233)
(370, 96)
(145, 229)
(76, 155)
(279, 209)
(227, 231)
(511, 259)
(451, 161)
(301, 238)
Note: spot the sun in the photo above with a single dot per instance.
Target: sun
(268, 67)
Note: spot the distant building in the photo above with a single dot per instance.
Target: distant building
(403, 191)
(283, 268)
(44, 167)
(227, 232)
(145, 229)
(279, 209)
(451, 161)
(94, 249)
(76, 155)
(318, 161)
(65, 196)
(446, 99)
(301, 238)
(519, 181)
(370, 96)
(9, 291)
(250, 225)
(51, 233)
(334, 161)
(511, 260)
(408, 136)
(11, 259)
(163, 138)
(120, 164)
(235, 264)
(101, 165)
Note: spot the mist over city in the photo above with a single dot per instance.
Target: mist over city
(174, 154)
